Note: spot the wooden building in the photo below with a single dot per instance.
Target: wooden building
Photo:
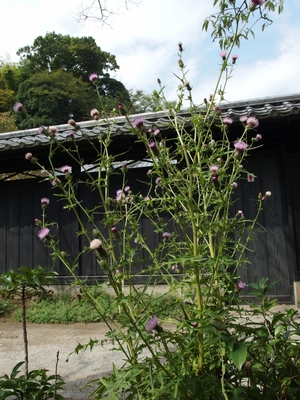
(275, 165)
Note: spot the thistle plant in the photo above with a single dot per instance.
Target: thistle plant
(186, 202)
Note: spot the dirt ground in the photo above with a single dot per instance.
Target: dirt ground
(44, 343)
(46, 340)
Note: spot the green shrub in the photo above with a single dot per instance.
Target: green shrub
(65, 308)
(6, 307)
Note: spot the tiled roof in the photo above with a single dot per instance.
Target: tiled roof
(275, 107)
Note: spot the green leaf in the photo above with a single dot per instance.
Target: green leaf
(279, 329)
(239, 354)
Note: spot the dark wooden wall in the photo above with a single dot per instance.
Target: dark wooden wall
(275, 252)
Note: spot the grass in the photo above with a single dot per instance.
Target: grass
(65, 308)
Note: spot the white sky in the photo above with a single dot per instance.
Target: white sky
(144, 40)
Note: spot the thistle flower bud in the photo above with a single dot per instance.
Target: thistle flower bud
(121, 109)
(115, 232)
(153, 148)
(96, 234)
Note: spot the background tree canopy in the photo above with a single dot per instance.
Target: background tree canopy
(53, 98)
(80, 56)
(52, 83)
(57, 87)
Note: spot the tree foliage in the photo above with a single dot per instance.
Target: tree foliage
(235, 19)
(56, 87)
(142, 102)
(53, 98)
(81, 56)
(7, 122)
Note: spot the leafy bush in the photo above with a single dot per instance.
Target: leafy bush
(36, 386)
(68, 309)
(6, 307)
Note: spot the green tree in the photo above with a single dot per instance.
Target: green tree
(7, 122)
(142, 102)
(7, 98)
(11, 75)
(53, 98)
(112, 91)
(81, 56)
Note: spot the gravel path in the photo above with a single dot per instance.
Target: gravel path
(44, 343)
(46, 340)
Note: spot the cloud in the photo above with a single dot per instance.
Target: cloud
(144, 40)
(278, 75)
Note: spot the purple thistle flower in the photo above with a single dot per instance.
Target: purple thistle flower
(41, 130)
(155, 132)
(227, 121)
(252, 122)
(18, 107)
(28, 156)
(66, 169)
(52, 130)
(255, 3)
(214, 169)
(45, 201)
(95, 113)
(243, 118)
(138, 123)
(120, 196)
(54, 181)
(43, 233)
(234, 57)
(166, 235)
(223, 54)
(158, 181)
(175, 268)
(152, 324)
(241, 285)
(93, 77)
(187, 85)
(70, 135)
(240, 146)
(258, 136)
